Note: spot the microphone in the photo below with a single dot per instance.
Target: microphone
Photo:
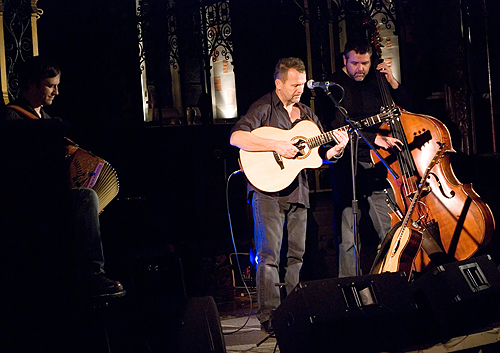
(321, 84)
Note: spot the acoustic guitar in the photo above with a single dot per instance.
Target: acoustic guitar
(270, 172)
(405, 237)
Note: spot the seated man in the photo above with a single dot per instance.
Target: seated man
(39, 83)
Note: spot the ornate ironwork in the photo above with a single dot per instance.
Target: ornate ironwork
(216, 22)
(338, 9)
(141, 13)
(383, 10)
(18, 38)
(173, 52)
(456, 108)
(148, 24)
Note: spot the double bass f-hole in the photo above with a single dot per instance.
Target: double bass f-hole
(440, 186)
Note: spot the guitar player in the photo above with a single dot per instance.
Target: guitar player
(280, 108)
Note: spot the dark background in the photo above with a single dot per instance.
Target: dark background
(173, 179)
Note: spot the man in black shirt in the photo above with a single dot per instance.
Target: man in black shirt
(282, 109)
(362, 98)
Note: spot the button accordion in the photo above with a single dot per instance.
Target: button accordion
(87, 170)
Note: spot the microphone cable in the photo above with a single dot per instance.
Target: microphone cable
(237, 257)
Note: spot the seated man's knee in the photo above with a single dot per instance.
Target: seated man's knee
(85, 198)
(86, 194)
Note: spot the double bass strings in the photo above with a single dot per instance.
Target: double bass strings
(405, 159)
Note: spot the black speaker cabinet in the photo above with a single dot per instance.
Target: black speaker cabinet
(370, 313)
(460, 297)
(201, 329)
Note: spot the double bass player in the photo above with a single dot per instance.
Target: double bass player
(362, 98)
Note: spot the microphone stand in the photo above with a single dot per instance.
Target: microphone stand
(353, 131)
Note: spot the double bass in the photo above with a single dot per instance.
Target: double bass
(448, 214)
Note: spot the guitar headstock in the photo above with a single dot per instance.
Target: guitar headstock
(384, 116)
(439, 154)
(390, 113)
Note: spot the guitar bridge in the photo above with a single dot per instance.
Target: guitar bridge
(278, 159)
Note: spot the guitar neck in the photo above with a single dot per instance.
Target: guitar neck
(416, 197)
(329, 136)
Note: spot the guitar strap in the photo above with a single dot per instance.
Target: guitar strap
(23, 111)
(32, 116)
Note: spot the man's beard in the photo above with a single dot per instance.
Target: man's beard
(358, 77)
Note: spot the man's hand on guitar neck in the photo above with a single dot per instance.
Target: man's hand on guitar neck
(336, 151)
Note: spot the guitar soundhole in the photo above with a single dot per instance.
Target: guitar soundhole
(304, 150)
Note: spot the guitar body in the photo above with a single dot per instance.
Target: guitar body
(265, 172)
(397, 253)
(271, 172)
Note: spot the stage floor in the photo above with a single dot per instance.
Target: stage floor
(243, 334)
(240, 326)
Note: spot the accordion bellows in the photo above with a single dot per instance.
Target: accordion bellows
(90, 171)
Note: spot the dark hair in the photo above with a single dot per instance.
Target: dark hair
(359, 46)
(286, 64)
(36, 69)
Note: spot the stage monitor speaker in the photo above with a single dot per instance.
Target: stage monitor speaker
(370, 313)
(193, 327)
(201, 329)
(460, 297)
